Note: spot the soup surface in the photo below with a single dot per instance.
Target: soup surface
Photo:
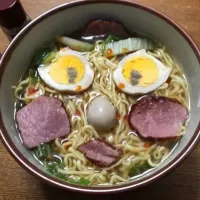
(102, 106)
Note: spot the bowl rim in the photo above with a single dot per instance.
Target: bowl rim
(20, 158)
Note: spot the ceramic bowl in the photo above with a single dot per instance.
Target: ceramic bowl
(68, 18)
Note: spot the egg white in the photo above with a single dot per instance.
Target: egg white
(85, 82)
(163, 74)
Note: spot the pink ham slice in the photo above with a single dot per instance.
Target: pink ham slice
(100, 153)
(157, 117)
(42, 120)
(103, 28)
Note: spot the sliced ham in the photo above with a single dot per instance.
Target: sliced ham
(100, 153)
(42, 120)
(102, 28)
(157, 117)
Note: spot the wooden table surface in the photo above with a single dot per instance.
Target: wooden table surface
(181, 184)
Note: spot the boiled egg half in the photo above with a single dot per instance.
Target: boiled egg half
(140, 73)
(70, 72)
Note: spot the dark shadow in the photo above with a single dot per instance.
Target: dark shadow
(180, 184)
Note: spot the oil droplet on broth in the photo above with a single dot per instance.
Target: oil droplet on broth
(109, 53)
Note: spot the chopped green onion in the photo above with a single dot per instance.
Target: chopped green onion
(111, 38)
(49, 58)
(139, 168)
(47, 155)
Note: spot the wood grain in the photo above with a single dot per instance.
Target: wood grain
(183, 183)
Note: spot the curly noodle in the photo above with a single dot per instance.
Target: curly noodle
(134, 148)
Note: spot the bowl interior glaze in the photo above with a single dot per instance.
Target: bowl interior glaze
(68, 18)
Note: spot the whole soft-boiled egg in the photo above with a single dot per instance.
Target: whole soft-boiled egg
(70, 72)
(140, 73)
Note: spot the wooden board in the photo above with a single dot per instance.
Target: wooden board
(181, 184)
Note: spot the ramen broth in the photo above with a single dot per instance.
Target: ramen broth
(62, 158)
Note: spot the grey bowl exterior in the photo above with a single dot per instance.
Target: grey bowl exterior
(69, 17)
